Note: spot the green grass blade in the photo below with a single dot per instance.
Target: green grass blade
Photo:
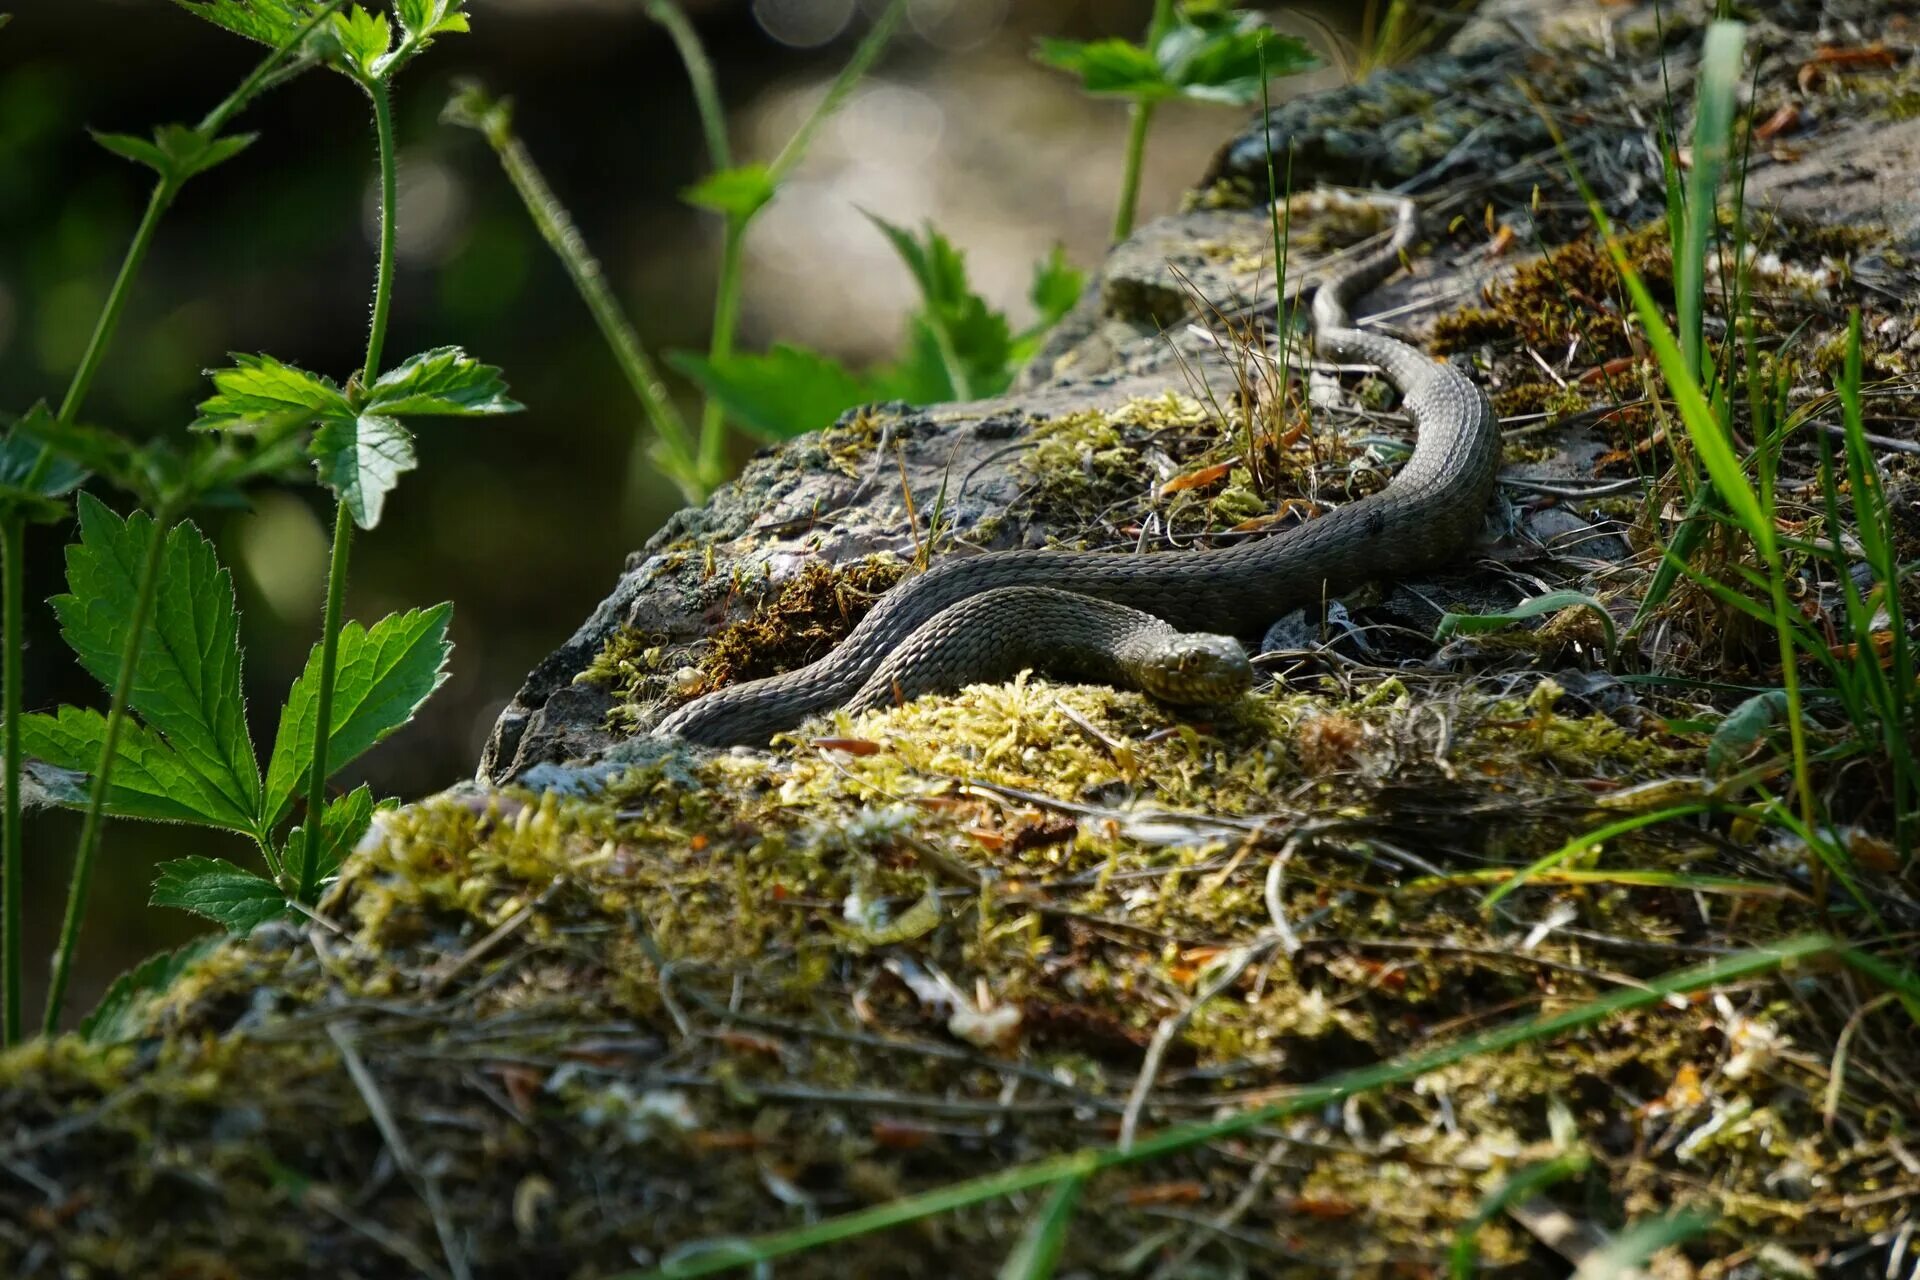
(1592, 839)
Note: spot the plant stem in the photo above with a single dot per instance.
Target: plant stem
(1141, 115)
(726, 317)
(706, 93)
(12, 562)
(674, 441)
(97, 798)
(378, 90)
(323, 710)
(383, 278)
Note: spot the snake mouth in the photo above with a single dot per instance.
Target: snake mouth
(1197, 669)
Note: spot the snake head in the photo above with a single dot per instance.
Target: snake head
(1197, 669)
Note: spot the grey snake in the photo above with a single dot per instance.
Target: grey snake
(1119, 617)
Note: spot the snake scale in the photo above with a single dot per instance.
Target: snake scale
(982, 617)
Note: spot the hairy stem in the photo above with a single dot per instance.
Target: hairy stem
(323, 710)
(383, 278)
(675, 442)
(1141, 115)
(97, 799)
(726, 319)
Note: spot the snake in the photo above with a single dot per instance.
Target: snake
(1163, 622)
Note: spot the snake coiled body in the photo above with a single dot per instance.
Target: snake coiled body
(1425, 516)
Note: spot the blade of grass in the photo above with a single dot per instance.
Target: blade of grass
(1590, 840)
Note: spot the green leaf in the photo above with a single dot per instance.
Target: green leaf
(361, 459)
(341, 827)
(1623, 1256)
(363, 38)
(1743, 728)
(271, 22)
(1038, 1252)
(129, 995)
(1057, 285)
(230, 896)
(1206, 55)
(973, 342)
(422, 19)
(444, 381)
(779, 395)
(1551, 602)
(383, 677)
(177, 152)
(260, 391)
(740, 192)
(20, 448)
(1108, 67)
(1217, 57)
(187, 684)
(151, 782)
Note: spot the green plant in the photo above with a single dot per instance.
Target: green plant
(42, 457)
(1199, 51)
(150, 612)
(737, 193)
(957, 348)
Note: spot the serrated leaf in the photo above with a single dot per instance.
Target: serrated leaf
(260, 391)
(1205, 55)
(113, 1019)
(230, 896)
(361, 459)
(187, 684)
(150, 781)
(383, 676)
(973, 342)
(424, 18)
(1108, 67)
(272, 22)
(740, 191)
(138, 150)
(445, 381)
(1057, 285)
(363, 38)
(341, 827)
(43, 500)
(779, 395)
(79, 449)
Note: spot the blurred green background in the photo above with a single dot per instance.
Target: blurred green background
(523, 522)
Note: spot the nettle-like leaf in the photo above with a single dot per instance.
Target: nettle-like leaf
(361, 459)
(1057, 285)
(364, 39)
(445, 381)
(384, 675)
(271, 22)
(779, 395)
(422, 19)
(341, 827)
(39, 498)
(1112, 66)
(150, 780)
(177, 152)
(260, 391)
(971, 342)
(186, 686)
(230, 896)
(1206, 53)
(740, 192)
(115, 1018)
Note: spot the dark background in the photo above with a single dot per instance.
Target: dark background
(524, 521)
